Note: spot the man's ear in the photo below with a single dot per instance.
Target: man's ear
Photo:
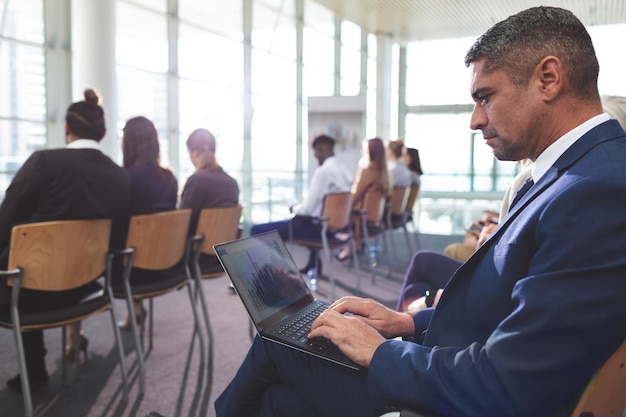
(549, 73)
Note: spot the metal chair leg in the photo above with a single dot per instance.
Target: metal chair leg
(21, 360)
(120, 351)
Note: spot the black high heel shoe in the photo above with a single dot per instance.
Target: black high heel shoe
(83, 343)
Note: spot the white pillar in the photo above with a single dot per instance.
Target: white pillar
(93, 40)
(383, 85)
(57, 15)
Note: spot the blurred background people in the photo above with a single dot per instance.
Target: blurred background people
(400, 174)
(411, 159)
(615, 106)
(331, 176)
(371, 175)
(463, 250)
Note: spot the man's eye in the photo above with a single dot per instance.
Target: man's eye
(482, 100)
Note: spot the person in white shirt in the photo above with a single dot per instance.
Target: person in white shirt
(328, 178)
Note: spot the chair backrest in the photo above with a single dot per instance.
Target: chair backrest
(218, 225)
(605, 395)
(412, 198)
(374, 204)
(159, 238)
(337, 207)
(60, 255)
(398, 201)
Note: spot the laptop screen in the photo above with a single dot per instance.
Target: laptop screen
(264, 273)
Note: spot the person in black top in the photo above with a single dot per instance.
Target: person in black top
(210, 186)
(75, 182)
(154, 188)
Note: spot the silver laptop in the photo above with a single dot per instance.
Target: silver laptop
(275, 294)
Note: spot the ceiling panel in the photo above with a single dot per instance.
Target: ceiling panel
(411, 20)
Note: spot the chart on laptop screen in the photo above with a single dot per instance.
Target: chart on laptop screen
(263, 273)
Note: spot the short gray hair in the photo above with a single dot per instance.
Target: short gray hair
(517, 44)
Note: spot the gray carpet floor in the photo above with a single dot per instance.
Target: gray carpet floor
(177, 383)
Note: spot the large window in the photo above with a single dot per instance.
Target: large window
(210, 64)
(142, 67)
(22, 83)
(182, 64)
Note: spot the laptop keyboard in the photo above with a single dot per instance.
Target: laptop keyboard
(299, 328)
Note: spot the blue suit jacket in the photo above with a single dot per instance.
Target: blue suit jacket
(525, 322)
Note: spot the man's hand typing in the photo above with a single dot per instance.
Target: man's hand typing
(359, 334)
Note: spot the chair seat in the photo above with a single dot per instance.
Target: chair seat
(210, 266)
(67, 263)
(173, 278)
(54, 318)
(375, 230)
(397, 221)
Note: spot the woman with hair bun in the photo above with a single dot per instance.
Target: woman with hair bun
(75, 182)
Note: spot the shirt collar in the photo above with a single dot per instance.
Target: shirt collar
(549, 156)
(84, 144)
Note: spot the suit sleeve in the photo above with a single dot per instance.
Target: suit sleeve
(566, 316)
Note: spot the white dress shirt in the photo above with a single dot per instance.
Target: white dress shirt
(330, 177)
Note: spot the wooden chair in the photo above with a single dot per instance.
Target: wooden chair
(335, 219)
(59, 256)
(157, 242)
(604, 396)
(372, 224)
(215, 225)
(397, 215)
(410, 205)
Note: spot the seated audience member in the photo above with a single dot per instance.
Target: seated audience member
(615, 106)
(331, 176)
(210, 186)
(75, 182)
(472, 241)
(372, 175)
(463, 250)
(523, 325)
(153, 189)
(400, 174)
(412, 161)
(428, 271)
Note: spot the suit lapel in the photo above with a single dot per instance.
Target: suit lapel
(606, 131)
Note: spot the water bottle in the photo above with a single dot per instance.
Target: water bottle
(312, 278)
(373, 256)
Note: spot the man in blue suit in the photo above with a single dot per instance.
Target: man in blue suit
(524, 323)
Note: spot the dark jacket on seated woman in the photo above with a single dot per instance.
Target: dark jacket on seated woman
(209, 187)
(153, 188)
